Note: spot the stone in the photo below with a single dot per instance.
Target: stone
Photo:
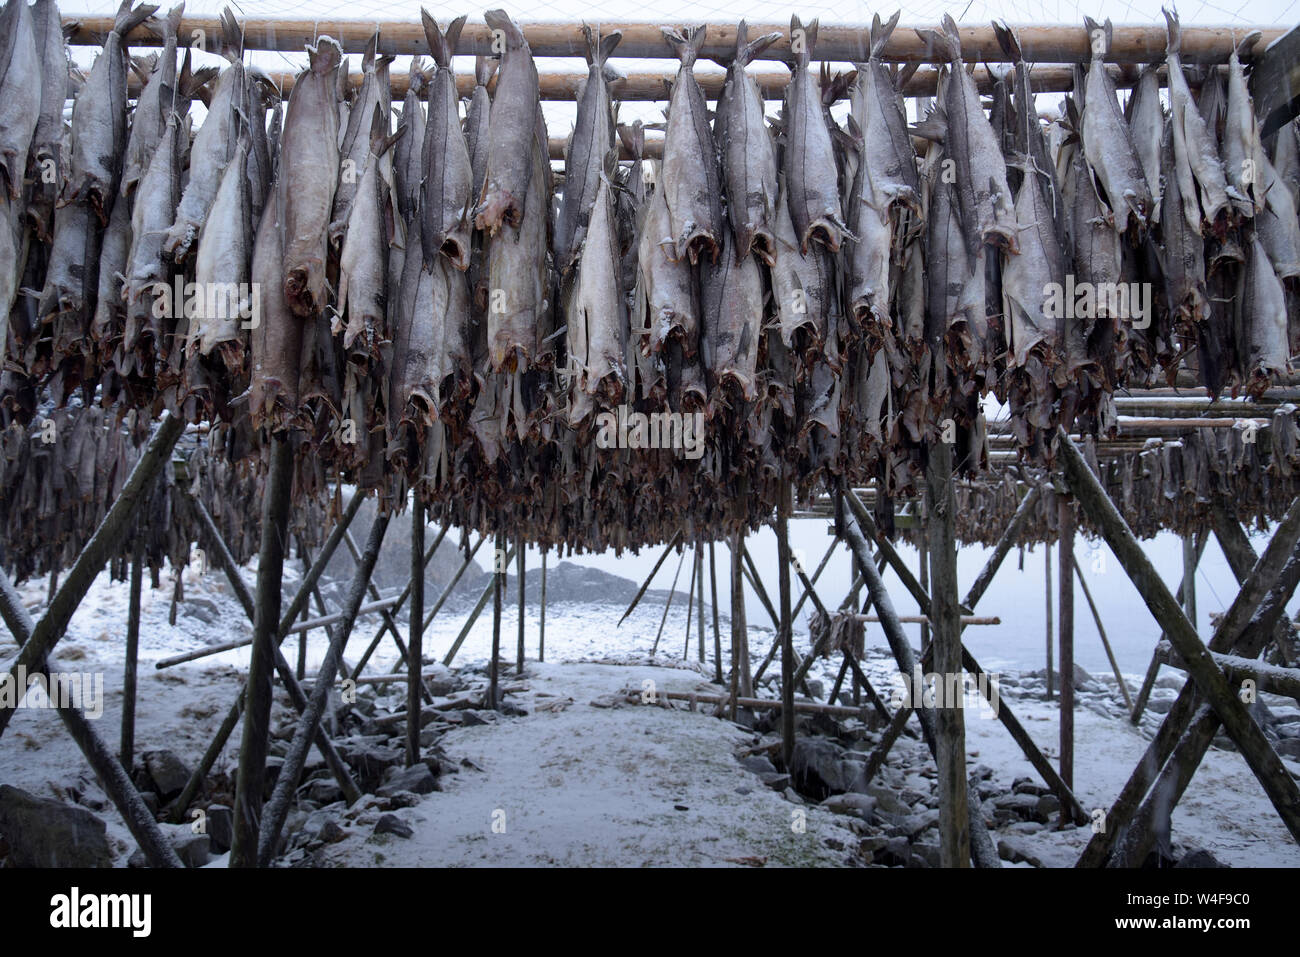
(1288, 747)
(1013, 807)
(888, 800)
(1029, 786)
(392, 824)
(776, 781)
(45, 833)
(221, 827)
(370, 761)
(758, 764)
(322, 791)
(816, 768)
(925, 855)
(1199, 857)
(861, 805)
(1048, 805)
(194, 850)
(1017, 852)
(167, 771)
(417, 779)
(470, 718)
(273, 766)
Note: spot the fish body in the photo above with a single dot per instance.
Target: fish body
(1201, 180)
(277, 340)
(511, 129)
(803, 285)
(690, 171)
(667, 301)
(354, 149)
(812, 174)
(478, 118)
(877, 109)
(446, 201)
(1028, 276)
(1146, 126)
(20, 94)
(223, 263)
(149, 118)
(1106, 140)
(408, 166)
(732, 305)
(597, 316)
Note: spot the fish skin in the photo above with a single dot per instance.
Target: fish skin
(984, 198)
(354, 149)
(430, 353)
(667, 300)
(407, 155)
(1201, 180)
(511, 129)
(1277, 224)
(12, 261)
(1027, 133)
(1026, 275)
(212, 148)
(277, 341)
(99, 123)
(1262, 320)
(1181, 246)
(749, 162)
(1107, 144)
(1146, 125)
(1095, 248)
(224, 258)
(1243, 154)
(690, 178)
(446, 198)
(589, 145)
(803, 286)
(812, 175)
(1286, 158)
(732, 307)
(149, 119)
(151, 215)
(309, 172)
(597, 317)
(867, 260)
(518, 279)
(20, 95)
(363, 263)
(955, 290)
(477, 119)
(114, 254)
(45, 159)
(74, 258)
(877, 109)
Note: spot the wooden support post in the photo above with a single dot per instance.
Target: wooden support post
(50, 629)
(667, 604)
(1101, 630)
(690, 608)
(541, 615)
(756, 583)
(1065, 547)
(519, 583)
(1008, 540)
(108, 769)
(1190, 558)
(699, 575)
(277, 809)
(257, 709)
(499, 567)
(886, 547)
(127, 750)
(787, 625)
(1153, 669)
(415, 637)
(950, 729)
(1209, 680)
(741, 683)
(717, 632)
(473, 615)
(815, 575)
(923, 566)
(677, 537)
(1241, 559)
(1047, 598)
(981, 846)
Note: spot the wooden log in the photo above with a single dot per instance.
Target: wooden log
(760, 704)
(741, 682)
(1270, 679)
(217, 545)
(690, 608)
(787, 622)
(415, 636)
(981, 845)
(1153, 669)
(1047, 603)
(104, 542)
(126, 752)
(1181, 714)
(1065, 639)
(1040, 43)
(821, 566)
(756, 583)
(717, 632)
(1101, 630)
(541, 615)
(519, 575)
(966, 620)
(1153, 817)
(474, 613)
(385, 608)
(257, 709)
(699, 575)
(1190, 559)
(1241, 559)
(498, 585)
(277, 808)
(677, 537)
(672, 591)
(886, 547)
(107, 768)
(1209, 680)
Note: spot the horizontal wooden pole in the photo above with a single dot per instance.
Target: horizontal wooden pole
(760, 704)
(1270, 678)
(925, 620)
(1040, 43)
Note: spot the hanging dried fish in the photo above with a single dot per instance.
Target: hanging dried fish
(354, 150)
(45, 157)
(597, 315)
(511, 130)
(223, 264)
(871, 246)
(309, 172)
(20, 93)
(1146, 127)
(690, 169)
(408, 164)
(586, 151)
(478, 118)
(1243, 155)
(804, 292)
(812, 175)
(277, 340)
(666, 303)
(887, 150)
(152, 214)
(1262, 320)
(1106, 140)
(447, 199)
(1200, 173)
(149, 118)
(732, 304)
(749, 162)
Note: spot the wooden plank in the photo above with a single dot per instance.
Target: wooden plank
(126, 753)
(1065, 637)
(415, 636)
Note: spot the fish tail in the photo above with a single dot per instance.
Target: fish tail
(748, 50)
(128, 19)
(484, 67)
(881, 32)
(232, 36)
(172, 25)
(441, 45)
(809, 42)
(325, 56)
(1175, 43)
(500, 20)
(940, 45)
(371, 52)
(1008, 41)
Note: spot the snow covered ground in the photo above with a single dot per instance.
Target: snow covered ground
(585, 784)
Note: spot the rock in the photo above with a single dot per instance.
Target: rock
(816, 768)
(1029, 786)
(45, 833)
(758, 764)
(981, 772)
(896, 852)
(273, 766)
(167, 771)
(816, 688)
(150, 801)
(1012, 849)
(1014, 807)
(924, 855)
(793, 796)
(137, 860)
(369, 762)
(322, 791)
(194, 850)
(417, 779)
(1048, 805)
(221, 827)
(919, 823)
(776, 781)
(888, 800)
(861, 805)
(1198, 857)
(470, 718)
(1288, 729)
(1288, 747)
(392, 824)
